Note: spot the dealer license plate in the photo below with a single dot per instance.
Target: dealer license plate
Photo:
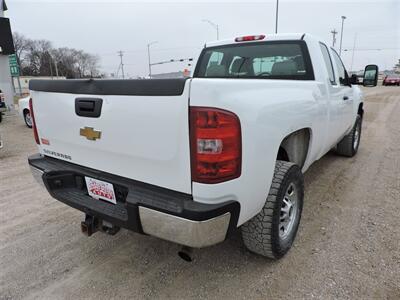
(100, 190)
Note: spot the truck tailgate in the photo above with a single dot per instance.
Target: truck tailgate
(142, 134)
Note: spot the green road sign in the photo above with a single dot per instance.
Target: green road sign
(14, 68)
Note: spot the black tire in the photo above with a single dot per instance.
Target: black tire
(1, 117)
(26, 115)
(348, 145)
(262, 234)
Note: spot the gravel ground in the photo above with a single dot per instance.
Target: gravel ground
(347, 246)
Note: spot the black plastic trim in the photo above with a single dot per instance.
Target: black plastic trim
(128, 87)
(65, 182)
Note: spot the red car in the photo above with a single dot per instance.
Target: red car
(392, 79)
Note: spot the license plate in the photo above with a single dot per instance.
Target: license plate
(100, 190)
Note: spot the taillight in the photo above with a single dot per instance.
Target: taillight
(249, 38)
(216, 145)
(35, 132)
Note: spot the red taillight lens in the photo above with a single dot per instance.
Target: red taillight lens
(249, 38)
(216, 145)
(35, 132)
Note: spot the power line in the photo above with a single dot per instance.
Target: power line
(370, 49)
(154, 50)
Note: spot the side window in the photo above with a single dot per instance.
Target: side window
(214, 66)
(341, 70)
(328, 62)
(215, 59)
(263, 65)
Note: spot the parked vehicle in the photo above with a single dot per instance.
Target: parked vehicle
(190, 160)
(23, 109)
(3, 107)
(392, 79)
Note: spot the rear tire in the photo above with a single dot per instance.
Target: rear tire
(271, 233)
(28, 119)
(348, 146)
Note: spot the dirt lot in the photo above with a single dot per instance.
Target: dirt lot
(347, 247)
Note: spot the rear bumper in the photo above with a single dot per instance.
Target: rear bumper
(140, 207)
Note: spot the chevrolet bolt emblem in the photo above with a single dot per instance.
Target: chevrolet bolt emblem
(90, 133)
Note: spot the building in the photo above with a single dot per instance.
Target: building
(181, 74)
(6, 48)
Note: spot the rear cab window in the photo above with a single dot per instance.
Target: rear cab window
(257, 60)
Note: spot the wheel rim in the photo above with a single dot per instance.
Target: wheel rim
(28, 119)
(289, 211)
(357, 133)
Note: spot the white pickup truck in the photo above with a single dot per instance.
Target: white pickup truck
(191, 160)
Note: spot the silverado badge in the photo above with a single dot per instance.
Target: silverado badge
(90, 133)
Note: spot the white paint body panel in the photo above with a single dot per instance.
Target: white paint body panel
(23, 104)
(147, 138)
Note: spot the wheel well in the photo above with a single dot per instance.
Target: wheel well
(294, 147)
(361, 109)
(282, 154)
(25, 111)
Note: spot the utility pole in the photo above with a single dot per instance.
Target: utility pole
(276, 16)
(354, 50)
(148, 54)
(121, 65)
(334, 33)
(214, 25)
(341, 36)
(55, 64)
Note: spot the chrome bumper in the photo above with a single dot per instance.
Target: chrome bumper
(196, 234)
(38, 175)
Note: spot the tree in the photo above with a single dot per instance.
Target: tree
(21, 44)
(40, 58)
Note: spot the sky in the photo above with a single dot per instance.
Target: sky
(101, 27)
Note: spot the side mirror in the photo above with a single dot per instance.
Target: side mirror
(371, 75)
(354, 79)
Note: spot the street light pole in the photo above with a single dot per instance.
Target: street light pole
(341, 36)
(276, 16)
(148, 54)
(215, 26)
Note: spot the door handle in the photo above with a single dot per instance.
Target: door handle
(88, 107)
(345, 98)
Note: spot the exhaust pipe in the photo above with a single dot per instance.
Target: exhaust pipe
(186, 253)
